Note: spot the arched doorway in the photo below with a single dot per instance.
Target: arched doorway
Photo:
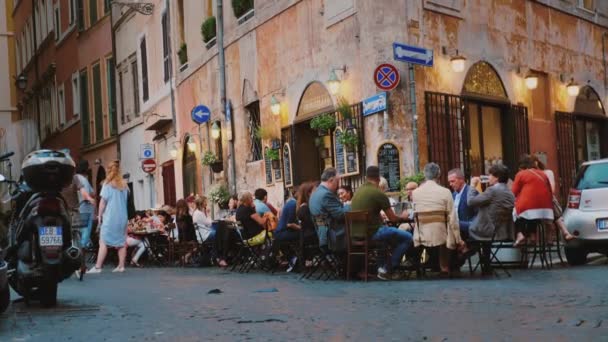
(313, 151)
(581, 135)
(189, 167)
(478, 128)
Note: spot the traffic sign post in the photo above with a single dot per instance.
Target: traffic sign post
(200, 114)
(413, 54)
(146, 151)
(148, 165)
(386, 77)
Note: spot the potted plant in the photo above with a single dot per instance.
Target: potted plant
(349, 139)
(346, 111)
(183, 54)
(219, 195)
(323, 124)
(208, 30)
(273, 155)
(241, 7)
(211, 160)
(264, 133)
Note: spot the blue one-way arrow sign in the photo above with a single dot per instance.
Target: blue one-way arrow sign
(413, 54)
(201, 114)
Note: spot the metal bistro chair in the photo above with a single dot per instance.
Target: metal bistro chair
(250, 255)
(425, 217)
(324, 262)
(494, 245)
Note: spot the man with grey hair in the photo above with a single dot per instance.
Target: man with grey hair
(461, 192)
(328, 212)
(432, 232)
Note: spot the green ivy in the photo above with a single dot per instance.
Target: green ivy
(348, 138)
(208, 29)
(323, 122)
(344, 108)
(183, 54)
(417, 178)
(272, 154)
(240, 7)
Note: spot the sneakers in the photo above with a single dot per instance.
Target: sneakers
(94, 270)
(383, 274)
(292, 264)
(118, 270)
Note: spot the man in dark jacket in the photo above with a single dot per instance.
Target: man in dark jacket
(461, 191)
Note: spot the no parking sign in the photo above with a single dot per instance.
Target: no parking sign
(386, 77)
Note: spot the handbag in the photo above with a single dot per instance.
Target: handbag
(557, 208)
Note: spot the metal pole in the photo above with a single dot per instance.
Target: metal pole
(152, 192)
(223, 101)
(200, 148)
(173, 114)
(414, 117)
(385, 124)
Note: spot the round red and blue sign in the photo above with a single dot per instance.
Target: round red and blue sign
(386, 77)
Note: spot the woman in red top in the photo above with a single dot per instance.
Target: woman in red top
(533, 198)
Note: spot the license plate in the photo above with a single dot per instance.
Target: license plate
(602, 224)
(50, 236)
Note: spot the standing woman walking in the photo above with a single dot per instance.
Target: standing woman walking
(86, 202)
(113, 218)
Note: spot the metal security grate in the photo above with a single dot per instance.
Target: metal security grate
(447, 133)
(254, 124)
(356, 122)
(566, 154)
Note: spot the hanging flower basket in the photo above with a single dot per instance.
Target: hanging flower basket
(217, 167)
(323, 124)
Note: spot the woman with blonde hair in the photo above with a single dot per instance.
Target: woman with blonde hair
(113, 218)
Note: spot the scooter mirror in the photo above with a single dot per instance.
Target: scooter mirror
(2, 179)
(5, 197)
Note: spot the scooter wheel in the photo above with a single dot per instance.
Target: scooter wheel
(48, 293)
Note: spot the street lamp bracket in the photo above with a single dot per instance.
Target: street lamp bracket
(145, 8)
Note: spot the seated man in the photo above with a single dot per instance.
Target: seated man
(431, 196)
(370, 198)
(261, 196)
(460, 195)
(325, 205)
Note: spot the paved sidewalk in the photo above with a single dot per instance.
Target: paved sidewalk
(174, 305)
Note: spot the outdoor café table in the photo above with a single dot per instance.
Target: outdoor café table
(149, 238)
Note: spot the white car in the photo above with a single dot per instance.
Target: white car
(586, 216)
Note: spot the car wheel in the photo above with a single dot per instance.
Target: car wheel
(576, 256)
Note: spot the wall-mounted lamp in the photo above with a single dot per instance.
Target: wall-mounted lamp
(333, 83)
(275, 106)
(531, 81)
(215, 130)
(191, 145)
(21, 82)
(173, 152)
(573, 88)
(457, 61)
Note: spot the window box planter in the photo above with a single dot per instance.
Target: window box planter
(183, 54)
(276, 164)
(208, 31)
(242, 9)
(245, 17)
(210, 43)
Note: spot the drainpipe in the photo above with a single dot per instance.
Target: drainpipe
(604, 35)
(113, 85)
(223, 100)
(36, 71)
(171, 83)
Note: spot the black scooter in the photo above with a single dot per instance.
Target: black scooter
(41, 253)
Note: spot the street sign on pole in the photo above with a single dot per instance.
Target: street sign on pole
(148, 165)
(386, 77)
(413, 54)
(200, 114)
(146, 151)
(374, 104)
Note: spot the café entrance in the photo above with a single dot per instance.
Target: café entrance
(478, 128)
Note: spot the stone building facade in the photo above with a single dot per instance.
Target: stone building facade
(285, 52)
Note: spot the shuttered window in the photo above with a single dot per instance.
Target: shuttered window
(97, 103)
(84, 108)
(111, 95)
(144, 69)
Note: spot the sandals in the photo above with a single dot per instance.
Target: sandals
(135, 264)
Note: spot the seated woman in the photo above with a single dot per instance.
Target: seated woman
(185, 227)
(253, 223)
(494, 218)
(202, 221)
(134, 240)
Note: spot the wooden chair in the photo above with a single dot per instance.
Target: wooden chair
(426, 217)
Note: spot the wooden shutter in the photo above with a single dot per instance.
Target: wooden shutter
(84, 108)
(169, 183)
(97, 103)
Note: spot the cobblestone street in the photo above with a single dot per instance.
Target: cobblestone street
(175, 305)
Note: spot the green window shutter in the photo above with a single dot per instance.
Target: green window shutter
(84, 108)
(111, 96)
(93, 11)
(97, 103)
(80, 14)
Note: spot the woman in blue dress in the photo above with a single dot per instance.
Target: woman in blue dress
(113, 218)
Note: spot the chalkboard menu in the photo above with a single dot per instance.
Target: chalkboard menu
(287, 166)
(340, 162)
(267, 167)
(390, 167)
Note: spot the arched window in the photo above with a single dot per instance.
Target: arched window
(483, 81)
(588, 102)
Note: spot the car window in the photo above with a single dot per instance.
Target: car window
(593, 176)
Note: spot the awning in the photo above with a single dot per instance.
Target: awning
(159, 124)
